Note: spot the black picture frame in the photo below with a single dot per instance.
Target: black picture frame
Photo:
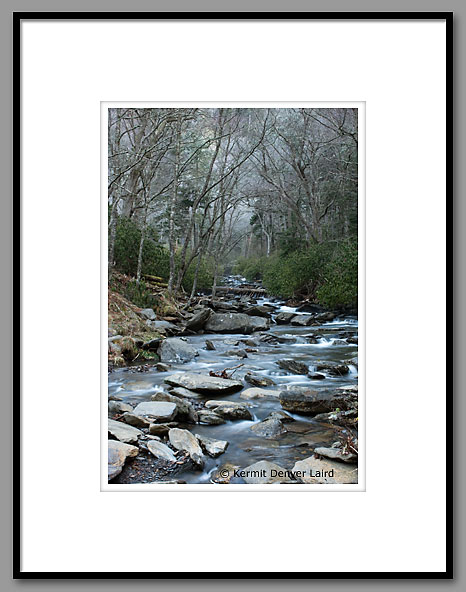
(18, 17)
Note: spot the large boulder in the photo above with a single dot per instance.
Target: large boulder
(269, 428)
(123, 432)
(161, 429)
(118, 452)
(213, 447)
(176, 350)
(115, 407)
(202, 383)
(283, 318)
(257, 380)
(164, 327)
(325, 317)
(223, 305)
(301, 399)
(302, 320)
(259, 393)
(258, 311)
(333, 368)
(184, 393)
(185, 409)
(184, 440)
(199, 319)
(315, 470)
(263, 472)
(235, 323)
(135, 420)
(156, 410)
(148, 314)
(230, 409)
(209, 417)
(293, 366)
(160, 450)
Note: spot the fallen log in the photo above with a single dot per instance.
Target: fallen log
(227, 289)
(153, 278)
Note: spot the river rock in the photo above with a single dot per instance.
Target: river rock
(213, 447)
(257, 380)
(160, 450)
(216, 403)
(184, 393)
(209, 345)
(148, 313)
(164, 327)
(281, 415)
(235, 323)
(199, 319)
(222, 305)
(263, 472)
(269, 428)
(336, 454)
(176, 350)
(135, 420)
(225, 474)
(202, 383)
(185, 409)
(240, 353)
(157, 410)
(232, 410)
(161, 429)
(283, 318)
(301, 399)
(293, 366)
(333, 368)
(115, 407)
(302, 320)
(209, 417)
(118, 452)
(339, 417)
(325, 317)
(316, 376)
(314, 470)
(285, 339)
(259, 393)
(258, 311)
(184, 440)
(123, 432)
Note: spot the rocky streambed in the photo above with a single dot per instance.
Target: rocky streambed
(245, 391)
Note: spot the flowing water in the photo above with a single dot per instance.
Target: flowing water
(245, 448)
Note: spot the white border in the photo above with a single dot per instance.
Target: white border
(361, 485)
(398, 68)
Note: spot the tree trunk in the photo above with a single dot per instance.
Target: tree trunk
(111, 237)
(141, 248)
(171, 224)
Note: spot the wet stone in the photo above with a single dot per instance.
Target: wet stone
(269, 428)
(257, 380)
(293, 366)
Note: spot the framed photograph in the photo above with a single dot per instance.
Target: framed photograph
(229, 257)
